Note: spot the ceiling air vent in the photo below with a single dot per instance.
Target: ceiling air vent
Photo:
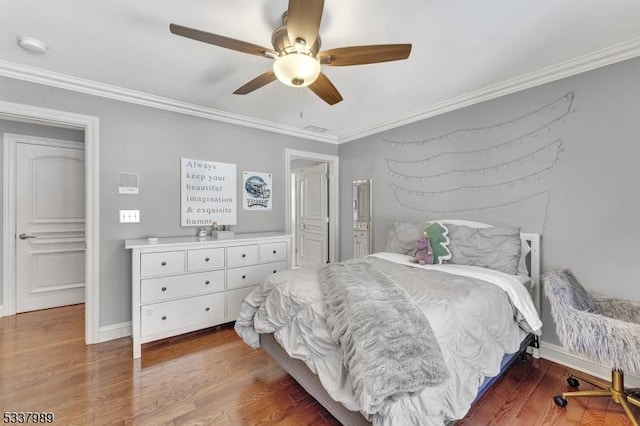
(316, 129)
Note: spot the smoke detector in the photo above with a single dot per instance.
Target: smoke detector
(32, 45)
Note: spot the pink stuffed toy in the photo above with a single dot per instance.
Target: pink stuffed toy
(423, 254)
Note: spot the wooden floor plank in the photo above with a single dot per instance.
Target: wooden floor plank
(615, 415)
(211, 377)
(501, 402)
(547, 412)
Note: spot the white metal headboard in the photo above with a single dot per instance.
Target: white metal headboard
(532, 240)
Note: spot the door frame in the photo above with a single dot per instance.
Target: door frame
(333, 187)
(90, 125)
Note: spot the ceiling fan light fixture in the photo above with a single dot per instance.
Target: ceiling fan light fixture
(297, 69)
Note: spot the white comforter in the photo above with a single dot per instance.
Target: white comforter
(474, 324)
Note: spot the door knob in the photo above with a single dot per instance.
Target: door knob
(24, 236)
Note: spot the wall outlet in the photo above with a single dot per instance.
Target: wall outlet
(129, 216)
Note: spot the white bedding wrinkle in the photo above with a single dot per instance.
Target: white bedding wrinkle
(512, 284)
(473, 322)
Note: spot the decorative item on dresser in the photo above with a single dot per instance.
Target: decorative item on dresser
(182, 284)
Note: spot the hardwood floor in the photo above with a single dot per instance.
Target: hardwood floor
(213, 378)
(523, 396)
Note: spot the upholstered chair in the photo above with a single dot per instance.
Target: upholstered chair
(603, 330)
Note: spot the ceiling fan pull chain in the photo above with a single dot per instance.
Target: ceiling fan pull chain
(301, 107)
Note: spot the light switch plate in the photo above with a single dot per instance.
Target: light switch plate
(129, 216)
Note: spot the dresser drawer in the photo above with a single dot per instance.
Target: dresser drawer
(205, 259)
(273, 252)
(252, 275)
(164, 317)
(158, 289)
(242, 255)
(234, 301)
(165, 263)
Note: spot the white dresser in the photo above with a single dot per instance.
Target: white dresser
(182, 284)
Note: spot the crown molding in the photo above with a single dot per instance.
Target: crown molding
(588, 62)
(63, 81)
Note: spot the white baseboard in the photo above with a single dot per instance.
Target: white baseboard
(114, 331)
(561, 356)
(109, 332)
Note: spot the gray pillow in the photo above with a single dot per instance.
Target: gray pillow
(402, 237)
(495, 247)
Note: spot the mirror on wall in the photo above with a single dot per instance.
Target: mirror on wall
(361, 202)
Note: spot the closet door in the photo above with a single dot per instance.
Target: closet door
(313, 222)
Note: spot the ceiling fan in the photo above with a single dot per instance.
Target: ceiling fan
(296, 50)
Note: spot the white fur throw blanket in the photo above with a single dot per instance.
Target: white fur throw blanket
(388, 345)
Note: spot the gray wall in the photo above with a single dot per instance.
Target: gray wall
(590, 221)
(151, 142)
(31, 130)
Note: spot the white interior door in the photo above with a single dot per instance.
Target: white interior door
(50, 207)
(313, 219)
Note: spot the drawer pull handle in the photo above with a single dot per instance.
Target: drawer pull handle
(164, 317)
(244, 255)
(274, 252)
(207, 282)
(164, 263)
(244, 276)
(207, 309)
(164, 289)
(206, 259)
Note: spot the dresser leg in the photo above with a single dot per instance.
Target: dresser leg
(137, 350)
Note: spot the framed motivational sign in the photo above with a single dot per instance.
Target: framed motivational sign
(208, 193)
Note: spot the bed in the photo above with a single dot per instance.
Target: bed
(477, 321)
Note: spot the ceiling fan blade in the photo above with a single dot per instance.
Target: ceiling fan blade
(218, 40)
(303, 20)
(324, 88)
(256, 83)
(360, 55)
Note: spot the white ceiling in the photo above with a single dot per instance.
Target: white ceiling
(464, 51)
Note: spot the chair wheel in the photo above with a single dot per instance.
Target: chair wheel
(560, 401)
(573, 382)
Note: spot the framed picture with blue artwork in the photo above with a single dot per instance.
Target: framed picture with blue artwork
(257, 191)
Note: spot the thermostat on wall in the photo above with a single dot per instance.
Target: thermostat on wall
(127, 183)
